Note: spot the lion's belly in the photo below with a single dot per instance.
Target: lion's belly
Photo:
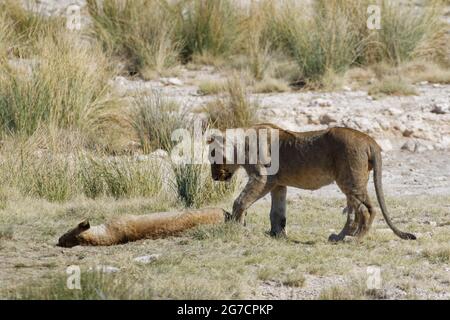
(307, 178)
(311, 177)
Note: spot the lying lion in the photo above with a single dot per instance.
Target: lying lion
(132, 228)
(308, 160)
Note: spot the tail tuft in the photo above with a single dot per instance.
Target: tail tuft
(408, 236)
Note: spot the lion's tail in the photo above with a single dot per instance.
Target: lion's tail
(376, 160)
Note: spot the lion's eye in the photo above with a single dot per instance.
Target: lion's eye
(213, 153)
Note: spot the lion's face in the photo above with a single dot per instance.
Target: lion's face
(72, 237)
(220, 170)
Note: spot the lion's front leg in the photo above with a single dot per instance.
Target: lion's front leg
(256, 188)
(278, 212)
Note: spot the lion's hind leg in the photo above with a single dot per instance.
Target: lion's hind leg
(367, 213)
(351, 225)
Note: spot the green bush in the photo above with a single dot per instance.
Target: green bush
(155, 119)
(207, 27)
(141, 31)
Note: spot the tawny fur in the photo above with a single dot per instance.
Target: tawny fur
(311, 160)
(132, 228)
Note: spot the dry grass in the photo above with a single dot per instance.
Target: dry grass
(210, 87)
(392, 86)
(225, 261)
(195, 188)
(154, 119)
(67, 89)
(418, 71)
(207, 28)
(236, 109)
(139, 31)
(271, 85)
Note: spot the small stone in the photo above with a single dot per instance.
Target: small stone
(320, 102)
(423, 83)
(395, 111)
(440, 108)
(409, 146)
(408, 132)
(326, 119)
(385, 144)
(172, 81)
(431, 223)
(346, 88)
(160, 153)
(416, 146)
(146, 259)
(104, 269)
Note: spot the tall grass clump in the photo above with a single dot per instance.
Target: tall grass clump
(118, 178)
(207, 28)
(24, 28)
(194, 186)
(6, 36)
(256, 42)
(408, 32)
(328, 37)
(319, 38)
(235, 109)
(140, 31)
(67, 88)
(155, 119)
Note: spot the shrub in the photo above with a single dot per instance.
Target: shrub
(119, 178)
(392, 86)
(319, 39)
(46, 176)
(233, 110)
(155, 119)
(195, 187)
(141, 31)
(408, 33)
(268, 85)
(209, 87)
(66, 89)
(331, 36)
(24, 27)
(207, 27)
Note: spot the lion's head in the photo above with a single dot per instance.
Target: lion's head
(72, 237)
(220, 169)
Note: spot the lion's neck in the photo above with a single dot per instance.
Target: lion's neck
(98, 235)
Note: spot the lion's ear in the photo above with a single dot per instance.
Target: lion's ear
(84, 225)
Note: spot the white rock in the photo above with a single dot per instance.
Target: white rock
(320, 102)
(395, 111)
(416, 146)
(104, 269)
(409, 145)
(441, 108)
(147, 259)
(385, 144)
(423, 83)
(172, 81)
(346, 88)
(408, 132)
(160, 153)
(327, 119)
(384, 123)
